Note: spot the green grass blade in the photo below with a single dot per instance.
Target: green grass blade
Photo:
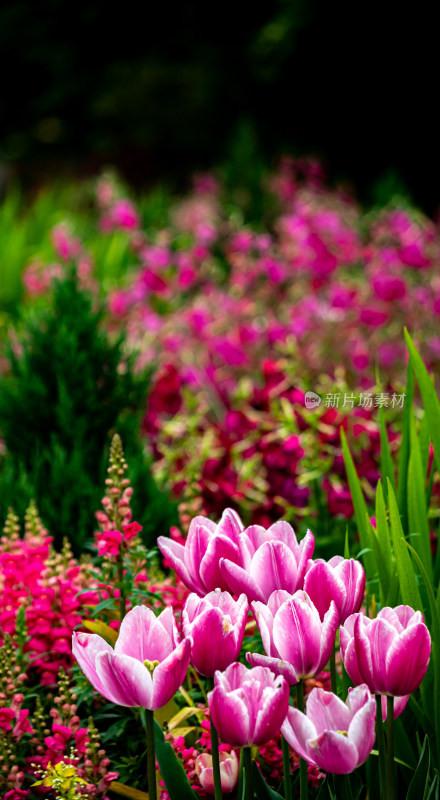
(418, 526)
(386, 462)
(429, 394)
(360, 509)
(409, 591)
(404, 451)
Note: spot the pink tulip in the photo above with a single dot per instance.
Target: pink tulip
(216, 626)
(248, 706)
(228, 771)
(197, 562)
(297, 643)
(341, 580)
(121, 674)
(335, 736)
(268, 560)
(390, 653)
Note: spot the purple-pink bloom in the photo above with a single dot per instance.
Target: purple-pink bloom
(335, 736)
(248, 706)
(215, 624)
(147, 664)
(389, 653)
(228, 771)
(197, 561)
(297, 642)
(341, 580)
(268, 560)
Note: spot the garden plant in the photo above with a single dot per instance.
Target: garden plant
(201, 646)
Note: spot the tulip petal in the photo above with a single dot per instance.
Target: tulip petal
(407, 660)
(264, 620)
(85, 648)
(175, 553)
(277, 665)
(210, 573)
(142, 636)
(127, 679)
(323, 585)
(327, 711)
(216, 642)
(230, 715)
(306, 548)
(238, 580)
(328, 636)
(297, 729)
(230, 525)
(381, 636)
(297, 635)
(274, 567)
(170, 674)
(362, 732)
(271, 712)
(333, 752)
(199, 536)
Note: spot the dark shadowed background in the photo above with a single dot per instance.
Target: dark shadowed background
(161, 90)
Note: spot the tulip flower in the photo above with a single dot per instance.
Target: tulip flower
(390, 653)
(335, 736)
(268, 560)
(297, 643)
(228, 771)
(248, 706)
(147, 664)
(341, 580)
(197, 561)
(216, 626)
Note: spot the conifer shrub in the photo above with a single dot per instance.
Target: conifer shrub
(69, 387)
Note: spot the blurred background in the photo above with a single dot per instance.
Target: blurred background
(160, 92)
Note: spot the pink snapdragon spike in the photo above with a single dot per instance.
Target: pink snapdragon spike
(228, 771)
(390, 653)
(215, 624)
(297, 643)
(335, 736)
(147, 665)
(197, 562)
(248, 706)
(268, 560)
(341, 580)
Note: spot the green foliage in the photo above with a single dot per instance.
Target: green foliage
(63, 398)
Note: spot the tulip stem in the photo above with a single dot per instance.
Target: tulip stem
(303, 783)
(380, 743)
(286, 769)
(390, 748)
(215, 756)
(247, 763)
(333, 679)
(151, 755)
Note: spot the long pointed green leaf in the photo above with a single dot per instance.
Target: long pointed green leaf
(419, 784)
(386, 461)
(384, 557)
(176, 782)
(435, 628)
(360, 508)
(409, 590)
(429, 394)
(404, 451)
(418, 526)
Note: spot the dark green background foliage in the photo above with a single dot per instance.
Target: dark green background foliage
(160, 90)
(63, 399)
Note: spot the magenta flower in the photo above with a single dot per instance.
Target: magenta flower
(215, 625)
(147, 665)
(248, 706)
(268, 560)
(390, 653)
(197, 562)
(297, 643)
(335, 736)
(228, 771)
(341, 580)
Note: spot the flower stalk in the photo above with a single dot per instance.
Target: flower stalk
(380, 743)
(286, 769)
(390, 748)
(215, 755)
(303, 783)
(247, 763)
(151, 755)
